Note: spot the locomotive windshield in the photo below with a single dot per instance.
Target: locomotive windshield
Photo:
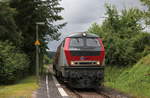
(84, 42)
(76, 42)
(92, 42)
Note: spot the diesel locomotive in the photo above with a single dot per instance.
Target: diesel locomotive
(79, 60)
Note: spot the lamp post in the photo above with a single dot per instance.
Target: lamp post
(37, 43)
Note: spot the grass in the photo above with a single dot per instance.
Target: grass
(134, 80)
(22, 89)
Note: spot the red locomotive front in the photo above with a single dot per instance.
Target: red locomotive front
(82, 60)
(82, 51)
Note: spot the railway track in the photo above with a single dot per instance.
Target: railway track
(102, 92)
(104, 95)
(78, 95)
(84, 93)
(89, 94)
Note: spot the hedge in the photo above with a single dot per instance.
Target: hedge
(13, 63)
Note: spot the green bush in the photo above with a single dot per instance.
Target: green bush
(141, 45)
(13, 63)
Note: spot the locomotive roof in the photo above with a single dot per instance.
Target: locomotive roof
(82, 34)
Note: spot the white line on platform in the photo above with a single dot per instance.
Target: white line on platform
(47, 87)
(60, 89)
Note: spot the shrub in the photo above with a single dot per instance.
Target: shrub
(141, 45)
(13, 63)
(119, 52)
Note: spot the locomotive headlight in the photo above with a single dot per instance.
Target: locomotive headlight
(72, 63)
(98, 63)
(84, 34)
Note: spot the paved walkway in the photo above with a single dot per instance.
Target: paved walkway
(48, 88)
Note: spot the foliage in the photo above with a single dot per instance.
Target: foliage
(13, 63)
(122, 35)
(133, 80)
(29, 12)
(141, 44)
(8, 27)
(47, 60)
(146, 12)
(18, 20)
(47, 63)
(23, 89)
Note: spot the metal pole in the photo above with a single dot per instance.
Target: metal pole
(37, 55)
(37, 52)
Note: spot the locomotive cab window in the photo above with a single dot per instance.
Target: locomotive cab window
(76, 42)
(92, 42)
(84, 42)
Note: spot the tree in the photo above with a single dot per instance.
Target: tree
(124, 25)
(147, 13)
(32, 11)
(118, 33)
(8, 27)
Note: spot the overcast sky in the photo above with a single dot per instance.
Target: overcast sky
(80, 14)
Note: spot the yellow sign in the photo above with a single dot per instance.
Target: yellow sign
(37, 42)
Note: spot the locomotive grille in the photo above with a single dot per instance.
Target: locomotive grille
(84, 63)
(85, 53)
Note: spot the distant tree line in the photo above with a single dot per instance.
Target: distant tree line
(51, 54)
(17, 34)
(123, 35)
